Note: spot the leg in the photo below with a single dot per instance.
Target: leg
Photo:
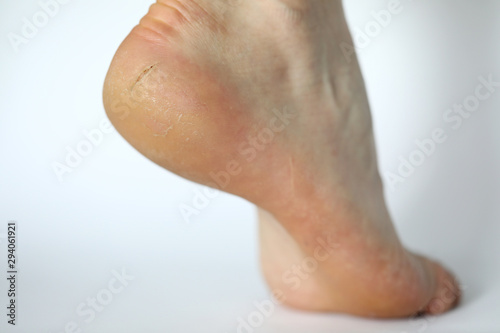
(256, 98)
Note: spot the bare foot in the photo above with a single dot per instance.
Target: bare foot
(254, 97)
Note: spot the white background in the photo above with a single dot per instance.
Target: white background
(119, 211)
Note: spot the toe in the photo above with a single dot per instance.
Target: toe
(447, 295)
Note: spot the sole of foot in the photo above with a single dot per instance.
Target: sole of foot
(255, 98)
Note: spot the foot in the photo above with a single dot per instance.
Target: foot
(255, 98)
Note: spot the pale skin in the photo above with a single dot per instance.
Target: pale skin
(255, 97)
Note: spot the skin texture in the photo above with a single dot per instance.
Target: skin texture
(255, 98)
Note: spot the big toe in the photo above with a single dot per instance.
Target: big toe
(448, 292)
